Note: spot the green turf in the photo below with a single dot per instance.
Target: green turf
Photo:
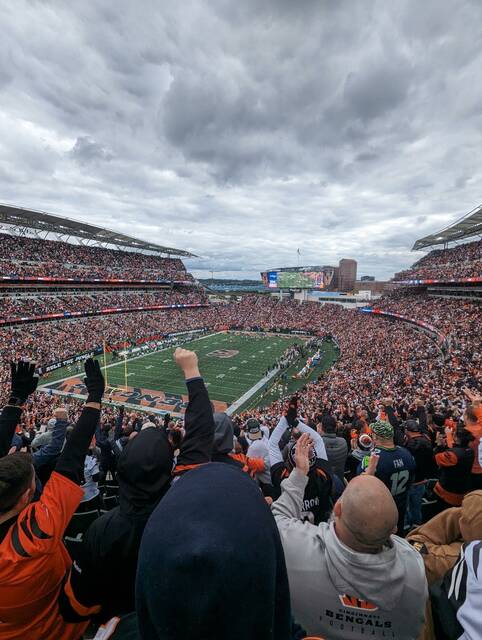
(226, 378)
(277, 388)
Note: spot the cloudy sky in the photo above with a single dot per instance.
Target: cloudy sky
(243, 130)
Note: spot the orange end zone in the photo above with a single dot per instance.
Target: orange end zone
(174, 403)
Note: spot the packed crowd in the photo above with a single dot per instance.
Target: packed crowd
(353, 509)
(268, 313)
(13, 307)
(136, 528)
(377, 356)
(455, 319)
(462, 261)
(32, 258)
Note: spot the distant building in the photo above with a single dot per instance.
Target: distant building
(348, 300)
(346, 274)
(376, 287)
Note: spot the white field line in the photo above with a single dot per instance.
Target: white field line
(250, 392)
(121, 363)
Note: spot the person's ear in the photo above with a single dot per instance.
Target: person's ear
(337, 509)
(25, 498)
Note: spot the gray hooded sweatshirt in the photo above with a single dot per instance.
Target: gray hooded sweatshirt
(339, 593)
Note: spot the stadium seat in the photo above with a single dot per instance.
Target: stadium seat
(110, 502)
(89, 505)
(80, 522)
(73, 546)
(111, 490)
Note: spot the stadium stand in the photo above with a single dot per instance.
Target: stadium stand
(402, 403)
(462, 261)
(24, 258)
(458, 263)
(14, 308)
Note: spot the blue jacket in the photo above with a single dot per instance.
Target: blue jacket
(48, 453)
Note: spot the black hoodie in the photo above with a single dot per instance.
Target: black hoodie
(211, 564)
(105, 571)
(224, 440)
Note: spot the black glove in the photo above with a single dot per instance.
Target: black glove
(24, 381)
(290, 412)
(94, 380)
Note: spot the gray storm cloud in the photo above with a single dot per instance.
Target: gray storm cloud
(244, 131)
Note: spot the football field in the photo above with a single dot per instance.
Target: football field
(231, 364)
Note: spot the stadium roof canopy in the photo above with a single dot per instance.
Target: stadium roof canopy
(28, 220)
(467, 227)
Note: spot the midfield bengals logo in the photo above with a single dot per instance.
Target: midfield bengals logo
(223, 353)
(355, 603)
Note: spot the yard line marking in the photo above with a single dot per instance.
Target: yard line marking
(44, 387)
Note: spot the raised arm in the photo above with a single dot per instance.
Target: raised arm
(197, 445)
(422, 416)
(287, 509)
(23, 383)
(275, 455)
(316, 439)
(71, 461)
(42, 525)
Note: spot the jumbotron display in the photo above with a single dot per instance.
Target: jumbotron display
(299, 279)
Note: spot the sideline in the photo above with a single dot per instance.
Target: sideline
(250, 392)
(46, 387)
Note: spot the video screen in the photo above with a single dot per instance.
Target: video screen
(298, 279)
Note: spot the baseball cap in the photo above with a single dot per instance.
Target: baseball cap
(382, 429)
(253, 429)
(365, 443)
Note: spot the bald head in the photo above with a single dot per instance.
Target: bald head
(366, 514)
